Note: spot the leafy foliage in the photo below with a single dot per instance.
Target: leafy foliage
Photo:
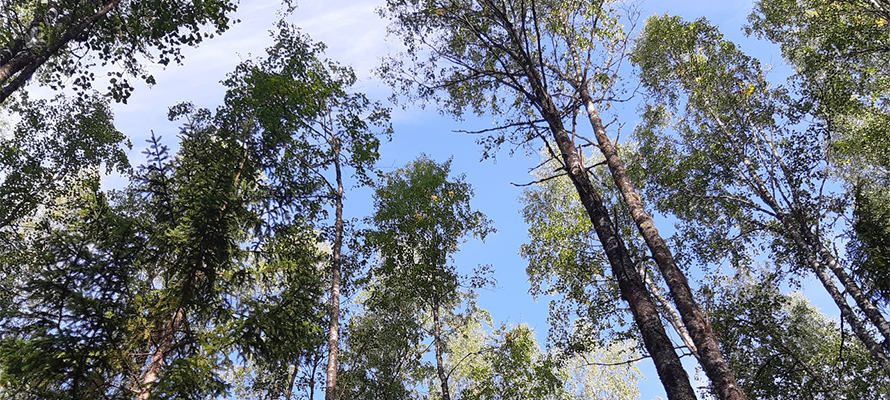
(745, 171)
(511, 366)
(421, 219)
(68, 335)
(383, 358)
(565, 261)
(840, 53)
(783, 348)
(224, 254)
(740, 161)
(870, 246)
(52, 38)
(50, 145)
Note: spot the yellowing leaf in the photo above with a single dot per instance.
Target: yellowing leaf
(746, 90)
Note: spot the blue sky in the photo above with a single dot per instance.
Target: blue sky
(356, 36)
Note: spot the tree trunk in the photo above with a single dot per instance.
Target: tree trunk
(336, 259)
(529, 81)
(674, 317)
(712, 361)
(865, 304)
(670, 371)
(165, 345)
(876, 350)
(13, 66)
(810, 247)
(805, 247)
(440, 350)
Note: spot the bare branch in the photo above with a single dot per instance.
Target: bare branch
(500, 128)
(542, 180)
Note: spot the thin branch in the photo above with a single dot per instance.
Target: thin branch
(543, 163)
(476, 353)
(499, 128)
(628, 362)
(540, 180)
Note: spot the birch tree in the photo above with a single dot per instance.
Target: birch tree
(475, 50)
(422, 215)
(744, 165)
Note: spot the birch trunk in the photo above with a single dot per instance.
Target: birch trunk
(336, 259)
(670, 371)
(674, 317)
(876, 350)
(440, 350)
(811, 248)
(712, 361)
(862, 301)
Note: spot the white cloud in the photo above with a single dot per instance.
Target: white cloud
(352, 30)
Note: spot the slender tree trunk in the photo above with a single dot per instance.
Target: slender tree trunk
(440, 350)
(316, 362)
(517, 47)
(670, 371)
(876, 350)
(165, 345)
(859, 328)
(865, 304)
(712, 361)
(289, 392)
(674, 317)
(811, 247)
(336, 260)
(798, 222)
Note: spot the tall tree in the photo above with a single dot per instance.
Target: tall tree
(420, 220)
(147, 274)
(52, 37)
(744, 162)
(68, 307)
(587, 71)
(840, 51)
(235, 210)
(293, 92)
(488, 46)
(200, 208)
